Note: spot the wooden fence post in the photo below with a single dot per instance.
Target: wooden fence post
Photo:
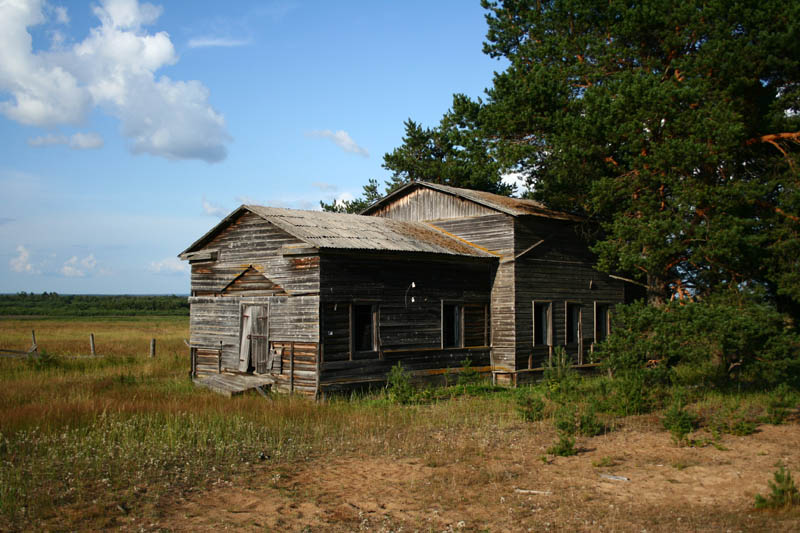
(152, 347)
(33, 337)
(91, 343)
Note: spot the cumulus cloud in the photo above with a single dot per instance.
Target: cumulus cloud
(215, 42)
(213, 210)
(113, 68)
(341, 139)
(77, 268)
(79, 141)
(22, 263)
(170, 265)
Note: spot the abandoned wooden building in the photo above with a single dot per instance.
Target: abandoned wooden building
(429, 276)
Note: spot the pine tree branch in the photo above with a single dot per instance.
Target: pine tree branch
(773, 138)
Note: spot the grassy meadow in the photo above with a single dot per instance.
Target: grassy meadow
(93, 443)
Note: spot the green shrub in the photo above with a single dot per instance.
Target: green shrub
(678, 421)
(588, 423)
(468, 375)
(734, 420)
(529, 405)
(398, 385)
(778, 404)
(564, 446)
(783, 493)
(744, 339)
(565, 421)
(630, 393)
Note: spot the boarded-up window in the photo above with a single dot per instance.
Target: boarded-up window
(573, 323)
(542, 323)
(476, 324)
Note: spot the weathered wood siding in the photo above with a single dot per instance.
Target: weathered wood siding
(559, 270)
(409, 318)
(427, 204)
(494, 233)
(251, 241)
(250, 268)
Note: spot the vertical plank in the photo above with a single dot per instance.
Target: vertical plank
(33, 337)
(91, 343)
(152, 347)
(291, 367)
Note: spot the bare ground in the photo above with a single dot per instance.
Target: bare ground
(512, 487)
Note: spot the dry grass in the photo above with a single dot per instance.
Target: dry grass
(125, 441)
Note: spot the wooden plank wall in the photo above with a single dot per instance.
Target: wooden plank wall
(252, 241)
(409, 318)
(298, 367)
(247, 249)
(559, 270)
(427, 204)
(495, 233)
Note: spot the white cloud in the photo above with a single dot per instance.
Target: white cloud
(77, 268)
(70, 268)
(85, 141)
(211, 42)
(89, 262)
(61, 15)
(341, 139)
(22, 263)
(213, 210)
(79, 141)
(170, 265)
(113, 68)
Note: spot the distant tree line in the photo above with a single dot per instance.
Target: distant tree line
(54, 304)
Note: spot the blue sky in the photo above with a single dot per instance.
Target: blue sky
(128, 129)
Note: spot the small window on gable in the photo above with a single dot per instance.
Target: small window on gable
(542, 323)
(573, 322)
(602, 321)
(362, 328)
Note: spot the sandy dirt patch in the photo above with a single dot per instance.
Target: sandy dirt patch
(514, 487)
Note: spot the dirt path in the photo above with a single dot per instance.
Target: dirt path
(518, 488)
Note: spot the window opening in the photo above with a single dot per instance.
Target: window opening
(542, 323)
(602, 321)
(451, 326)
(573, 322)
(363, 328)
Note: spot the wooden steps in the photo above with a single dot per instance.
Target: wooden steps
(232, 384)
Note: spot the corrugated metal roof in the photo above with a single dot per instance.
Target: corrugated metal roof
(339, 231)
(504, 204)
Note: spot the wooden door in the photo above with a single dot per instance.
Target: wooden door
(255, 338)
